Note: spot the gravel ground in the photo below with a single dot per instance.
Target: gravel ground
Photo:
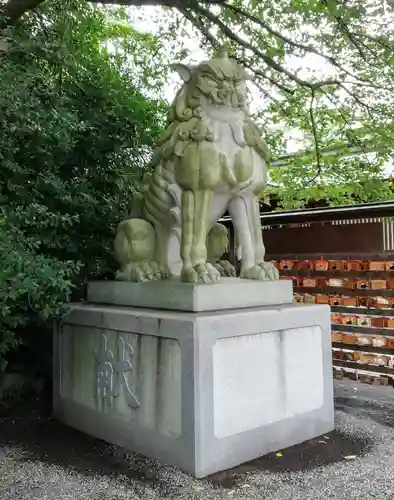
(41, 459)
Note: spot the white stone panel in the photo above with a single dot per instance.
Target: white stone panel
(264, 378)
(303, 362)
(246, 383)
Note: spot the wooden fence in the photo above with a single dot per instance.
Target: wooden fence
(348, 262)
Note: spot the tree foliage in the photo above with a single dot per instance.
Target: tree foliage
(324, 73)
(73, 123)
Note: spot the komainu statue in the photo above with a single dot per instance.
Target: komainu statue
(210, 159)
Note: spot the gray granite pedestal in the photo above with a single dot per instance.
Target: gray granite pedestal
(201, 389)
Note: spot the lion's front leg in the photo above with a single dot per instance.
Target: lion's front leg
(246, 218)
(198, 173)
(270, 271)
(239, 215)
(196, 206)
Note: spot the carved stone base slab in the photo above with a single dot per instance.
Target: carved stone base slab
(204, 392)
(230, 293)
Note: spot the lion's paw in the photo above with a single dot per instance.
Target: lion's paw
(265, 271)
(225, 268)
(270, 270)
(142, 271)
(201, 273)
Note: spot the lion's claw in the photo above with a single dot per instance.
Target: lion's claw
(265, 271)
(225, 268)
(141, 272)
(201, 273)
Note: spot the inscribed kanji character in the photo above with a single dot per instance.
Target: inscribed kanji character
(111, 372)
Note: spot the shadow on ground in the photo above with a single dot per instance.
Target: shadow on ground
(46, 440)
(327, 449)
(43, 438)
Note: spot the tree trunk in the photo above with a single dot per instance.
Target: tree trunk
(13, 10)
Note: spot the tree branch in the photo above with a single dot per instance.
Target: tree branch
(270, 62)
(215, 43)
(345, 121)
(345, 30)
(315, 138)
(368, 84)
(359, 101)
(289, 41)
(199, 26)
(373, 39)
(261, 74)
(233, 36)
(182, 4)
(13, 10)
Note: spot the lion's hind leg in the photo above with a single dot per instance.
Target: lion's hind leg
(217, 242)
(134, 249)
(245, 215)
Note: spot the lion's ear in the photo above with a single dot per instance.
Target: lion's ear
(183, 71)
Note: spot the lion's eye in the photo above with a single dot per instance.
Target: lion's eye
(208, 80)
(212, 83)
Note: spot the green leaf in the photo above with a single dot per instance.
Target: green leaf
(75, 120)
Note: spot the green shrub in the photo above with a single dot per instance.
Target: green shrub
(72, 124)
(32, 286)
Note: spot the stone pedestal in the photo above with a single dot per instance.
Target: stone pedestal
(229, 293)
(204, 391)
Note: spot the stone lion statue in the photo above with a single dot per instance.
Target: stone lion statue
(210, 159)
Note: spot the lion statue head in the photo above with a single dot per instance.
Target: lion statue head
(220, 81)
